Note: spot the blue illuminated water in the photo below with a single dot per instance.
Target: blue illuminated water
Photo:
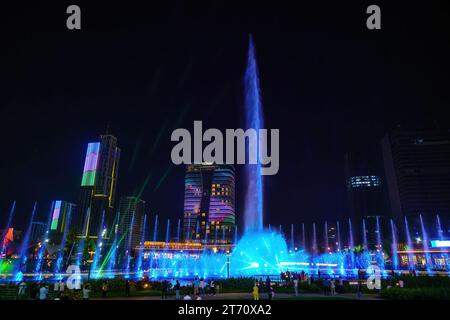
(394, 246)
(253, 208)
(23, 252)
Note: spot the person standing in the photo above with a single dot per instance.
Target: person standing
(359, 290)
(196, 285)
(127, 288)
(296, 286)
(177, 288)
(268, 284)
(202, 286)
(56, 287)
(86, 292)
(212, 288)
(165, 287)
(43, 291)
(333, 287)
(256, 291)
(104, 289)
(22, 290)
(271, 293)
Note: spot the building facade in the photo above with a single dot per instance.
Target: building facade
(209, 203)
(62, 212)
(98, 185)
(365, 193)
(130, 226)
(417, 166)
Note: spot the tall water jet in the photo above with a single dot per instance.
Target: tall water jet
(292, 236)
(139, 272)
(99, 246)
(364, 230)
(314, 240)
(23, 253)
(112, 254)
(394, 246)
(379, 241)
(128, 247)
(178, 230)
(8, 225)
(155, 228)
(440, 233)
(351, 244)
(303, 236)
(410, 245)
(44, 242)
(325, 234)
(425, 245)
(168, 231)
(253, 211)
(380, 255)
(338, 230)
(62, 246)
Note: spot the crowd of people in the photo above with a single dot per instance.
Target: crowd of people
(200, 287)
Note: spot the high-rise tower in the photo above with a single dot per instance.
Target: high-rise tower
(98, 185)
(209, 203)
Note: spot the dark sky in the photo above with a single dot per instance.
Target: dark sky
(328, 83)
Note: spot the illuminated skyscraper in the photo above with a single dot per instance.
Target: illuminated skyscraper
(131, 220)
(209, 203)
(365, 192)
(61, 212)
(417, 165)
(98, 184)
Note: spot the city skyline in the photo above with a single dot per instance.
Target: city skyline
(178, 77)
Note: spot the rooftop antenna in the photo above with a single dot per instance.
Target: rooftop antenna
(108, 124)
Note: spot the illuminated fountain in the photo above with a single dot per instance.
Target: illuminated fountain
(60, 255)
(410, 246)
(23, 252)
(425, 244)
(394, 246)
(366, 247)
(99, 247)
(5, 232)
(253, 208)
(44, 242)
(139, 270)
(440, 233)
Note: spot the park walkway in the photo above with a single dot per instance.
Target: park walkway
(249, 296)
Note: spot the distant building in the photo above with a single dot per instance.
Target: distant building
(365, 191)
(62, 213)
(38, 230)
(98, 185)
(131, 221)
(417, 166)
(209, 203)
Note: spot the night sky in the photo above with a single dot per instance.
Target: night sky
(328, 83)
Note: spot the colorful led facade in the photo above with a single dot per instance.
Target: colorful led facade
(55, 216)
(209, 203)
(60, 215)
(90, 164)
(98, 185)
